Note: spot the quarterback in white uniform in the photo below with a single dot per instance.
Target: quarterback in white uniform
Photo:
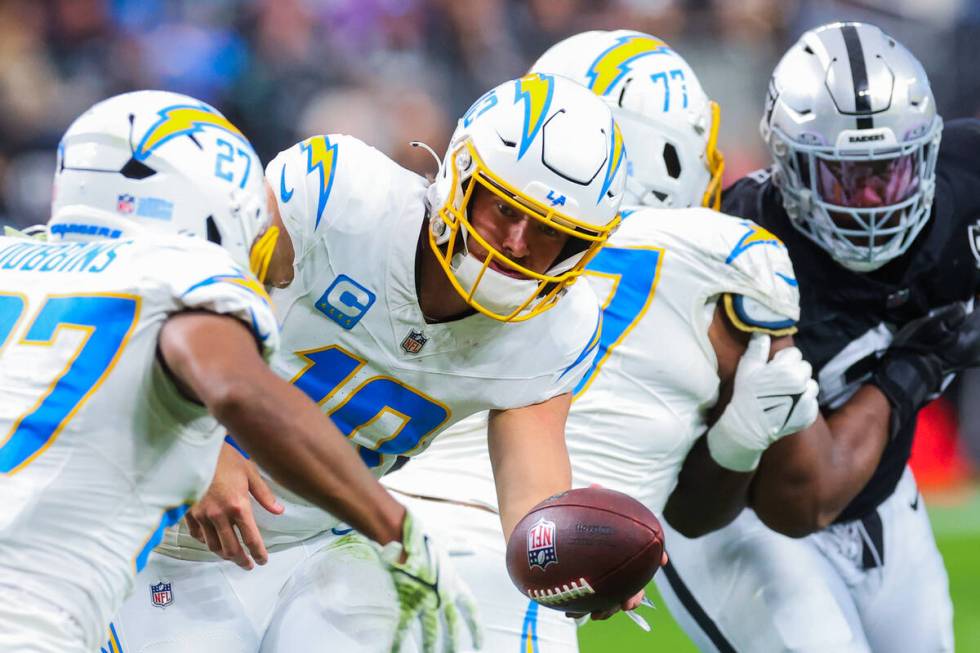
(405, 307)
(116, 342)
(682, 292)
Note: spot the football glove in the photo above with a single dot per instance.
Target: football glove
(428, 590)
(37, 232)
(922, 354)
(770, 399)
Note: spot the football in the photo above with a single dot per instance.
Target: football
(585, 550)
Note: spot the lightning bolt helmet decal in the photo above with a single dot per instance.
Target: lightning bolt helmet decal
(183, 120)
(536, 90)
(617, 151)
(610, 66)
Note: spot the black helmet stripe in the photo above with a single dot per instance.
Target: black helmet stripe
(859, 76)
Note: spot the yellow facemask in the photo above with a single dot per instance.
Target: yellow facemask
(715, 161)
(451, 219)
(261, 253)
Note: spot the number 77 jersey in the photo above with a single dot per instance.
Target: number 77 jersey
(98, 451)
(645, 399)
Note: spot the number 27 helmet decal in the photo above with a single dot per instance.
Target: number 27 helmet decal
(154, 161)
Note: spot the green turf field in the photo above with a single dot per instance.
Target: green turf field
(957, 530)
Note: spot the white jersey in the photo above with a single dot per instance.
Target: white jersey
(645, 398)
(355, 340)
(101, 452)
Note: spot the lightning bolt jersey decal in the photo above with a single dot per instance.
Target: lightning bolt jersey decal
(755, 235)
(611, 65)
(321, 155)
(183, 120)
(536, 90)
(237, 279)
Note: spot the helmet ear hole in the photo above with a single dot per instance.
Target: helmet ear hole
(672, 161)
(213, 234)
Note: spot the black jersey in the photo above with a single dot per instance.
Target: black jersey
(847, 318)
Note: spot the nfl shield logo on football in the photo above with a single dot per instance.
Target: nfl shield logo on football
(161, 594)
(414, 342)
(541, 544)
(125, 204)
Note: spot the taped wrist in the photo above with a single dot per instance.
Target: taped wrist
(907, 382)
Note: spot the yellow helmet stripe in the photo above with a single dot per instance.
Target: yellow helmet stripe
(182, 120)
(610, 66)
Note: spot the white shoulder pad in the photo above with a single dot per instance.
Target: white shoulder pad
(771, 301)
(740, 260)
(199, 275)
(322, 180)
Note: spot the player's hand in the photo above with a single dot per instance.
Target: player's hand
(429, 591)
(628, 606)
(922, 354)
(226, 507)
(771, 399)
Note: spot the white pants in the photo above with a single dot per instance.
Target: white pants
(29, 624)
(475, 542)
(876, 584)
(330, 593)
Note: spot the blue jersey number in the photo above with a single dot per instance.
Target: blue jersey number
(634, 273)
(106, 322)
(328, 370)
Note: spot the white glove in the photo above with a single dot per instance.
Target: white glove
(771, 399)
(429, 590)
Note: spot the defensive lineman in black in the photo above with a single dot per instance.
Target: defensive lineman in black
(843, 309)
(883, 228)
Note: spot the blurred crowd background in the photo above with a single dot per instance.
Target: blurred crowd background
(393, 71)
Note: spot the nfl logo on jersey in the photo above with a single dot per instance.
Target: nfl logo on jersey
(414, 342)
(541, 544)
(161, 594)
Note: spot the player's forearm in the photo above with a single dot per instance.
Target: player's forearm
(707, 496)
(298, 446)
(214, 359)
(516, 499)
(529, 457)
(523, 481)
(805, 480)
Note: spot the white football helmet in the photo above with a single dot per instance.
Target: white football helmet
(668, 123)
(549, 148)
(851, 123)
(152, 161)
